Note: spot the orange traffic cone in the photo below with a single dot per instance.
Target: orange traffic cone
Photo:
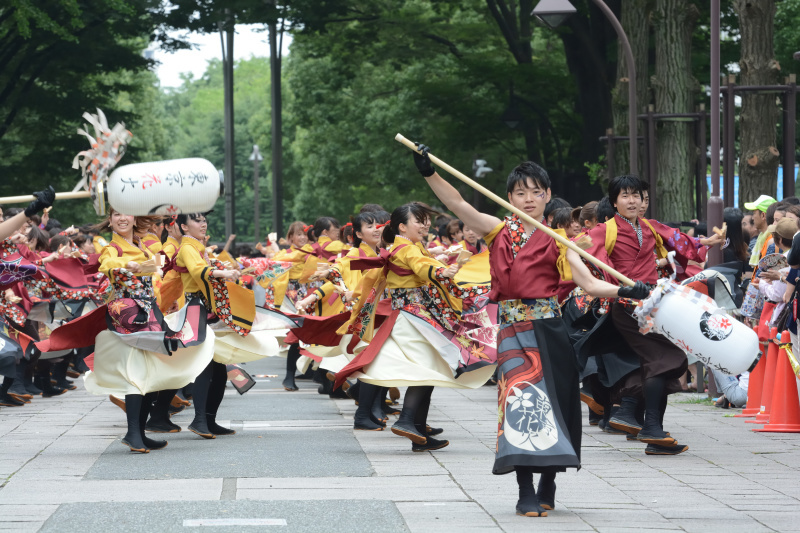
(769, 381)
(785, 411)
(755, 383)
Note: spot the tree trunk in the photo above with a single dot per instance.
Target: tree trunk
(585, 47)
(673, 85)
(758, 164)
(635, 20)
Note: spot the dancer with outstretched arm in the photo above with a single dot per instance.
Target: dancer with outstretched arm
(539, 428)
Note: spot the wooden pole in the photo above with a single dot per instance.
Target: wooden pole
(489, 194)
(276, 114)
(59, 196)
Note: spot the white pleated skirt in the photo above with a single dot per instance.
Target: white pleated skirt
(121, 369)
(416, 354)
(263, 341)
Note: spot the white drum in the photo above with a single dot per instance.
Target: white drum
(694, 323)
(164, 187)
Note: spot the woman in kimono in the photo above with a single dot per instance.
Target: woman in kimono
(422, 343)
(296, 283)
(10, 274)
(240, 334)
(169, 301)
(368, 229)
(539, 426)
(177, 352)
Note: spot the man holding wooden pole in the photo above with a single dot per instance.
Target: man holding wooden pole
(539, 429)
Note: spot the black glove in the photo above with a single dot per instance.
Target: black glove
(44, 199)
(423, 162)
(639, 291)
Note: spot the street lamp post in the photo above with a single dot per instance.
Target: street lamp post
(554, 12)
(256, 158)
(479, 169)
(230, 154)
(715, 206)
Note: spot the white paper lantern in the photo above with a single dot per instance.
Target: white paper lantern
(694, 323)
(164, 187)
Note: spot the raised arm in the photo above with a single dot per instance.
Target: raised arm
(12, 224)
(43, 199)
(482, 223)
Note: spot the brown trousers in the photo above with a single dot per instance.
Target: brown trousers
(657, 355)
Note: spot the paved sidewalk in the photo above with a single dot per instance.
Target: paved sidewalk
(297, 465)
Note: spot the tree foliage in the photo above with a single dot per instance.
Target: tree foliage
(449, 73)
(59, 59)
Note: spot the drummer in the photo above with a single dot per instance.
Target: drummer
(628, 243)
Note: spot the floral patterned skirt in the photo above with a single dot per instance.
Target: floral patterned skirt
(539, 412)
(412, 348)
(144, 351)
(121, 369)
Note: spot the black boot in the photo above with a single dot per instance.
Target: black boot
(202, 385)
(291, 367)
(18, 385)
(377, 406)
(147, 406)
(547, 491)
(133, 438)
(353, 391)
(80, 355)
(605, 424)
(188, 391)
(415, 397)
(338, 394)
(216, 393)
(640, 413)
(528, 503)
(27, 379)
(325, 385)
(652, 432)
(590, 401)
(675, 449)
(48, 389)
(32, 389)
(388, 405)
(159, 415)
(421, 415)
(216, 429)
(389, 410)
(624, 419)
(60, 374)
(421, 423)
(655, 404)
(430, 445)
(5, 398)
(363, 420)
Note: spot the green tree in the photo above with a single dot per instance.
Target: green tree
(447, 85)
(196, 130)
(58, 60)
